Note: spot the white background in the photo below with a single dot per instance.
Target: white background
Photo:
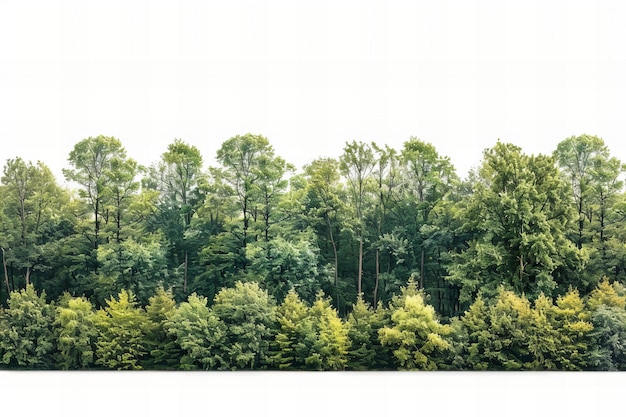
(310, 75)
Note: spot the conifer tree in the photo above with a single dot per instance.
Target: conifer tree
(121, 333)
(295, 336)
(75, 333)
(330, 350)
(417, 338)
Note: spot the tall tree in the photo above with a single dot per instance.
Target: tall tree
(255, 176)
(429, 177)
(357, 164)
(177, 178)
(519, 213)
(30, 200)
(324, 203)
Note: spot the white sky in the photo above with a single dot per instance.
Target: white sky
(309, 75)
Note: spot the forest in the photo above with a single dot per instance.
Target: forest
(379, 259)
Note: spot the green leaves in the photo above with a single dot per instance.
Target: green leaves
(520, 213)
(121, 333)
(415, 335)
(26, 336)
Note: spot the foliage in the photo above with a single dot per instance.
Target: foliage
(199, 333)
(75, 333)
(415, 334)
(26, 335)
(248, 313)
(121, 333)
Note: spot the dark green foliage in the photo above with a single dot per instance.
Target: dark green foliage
(366, 351)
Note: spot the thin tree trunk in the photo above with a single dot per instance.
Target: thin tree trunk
(185, 273)
(6, 273)
(27, 276)
(332, 242)
(377, 277)
(422, 270)
(360, 264)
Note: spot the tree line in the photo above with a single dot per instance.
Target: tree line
(377, 259)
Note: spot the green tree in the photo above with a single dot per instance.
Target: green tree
(121, 333)
(177, 179)
(295, 336)
(357, 164)
(75, 333)
(255, 177)
(165, 353)
(519, 214)
(248, 313)
(284, 265)
(324, 208)
(102, 169)
(366, 351)
(199, 333)
(26, 334)
(417, 338)
(30, 201)
(595, 179)
(330, 349)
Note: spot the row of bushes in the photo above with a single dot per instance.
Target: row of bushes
(244, 328)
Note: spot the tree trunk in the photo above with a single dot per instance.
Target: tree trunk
(377, 278)
(334, 245)
(422, 269)
(360, 265)
(185, 273)
(27, 276)
(6, 273)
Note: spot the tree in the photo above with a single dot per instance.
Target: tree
(177, 178)
(30, 202)
(248, 313)
(330, 349)
(283, 265)
(164, 352)
(325, 203)
(366, 351)
(106, 176)
(255, 176)
(26, 335)
(75, 333)
(199, 333)
(429, 177)
(356, 164)
(519, 214)
(295, 336)
(595, 179)
(121, 333)
(417, 338)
